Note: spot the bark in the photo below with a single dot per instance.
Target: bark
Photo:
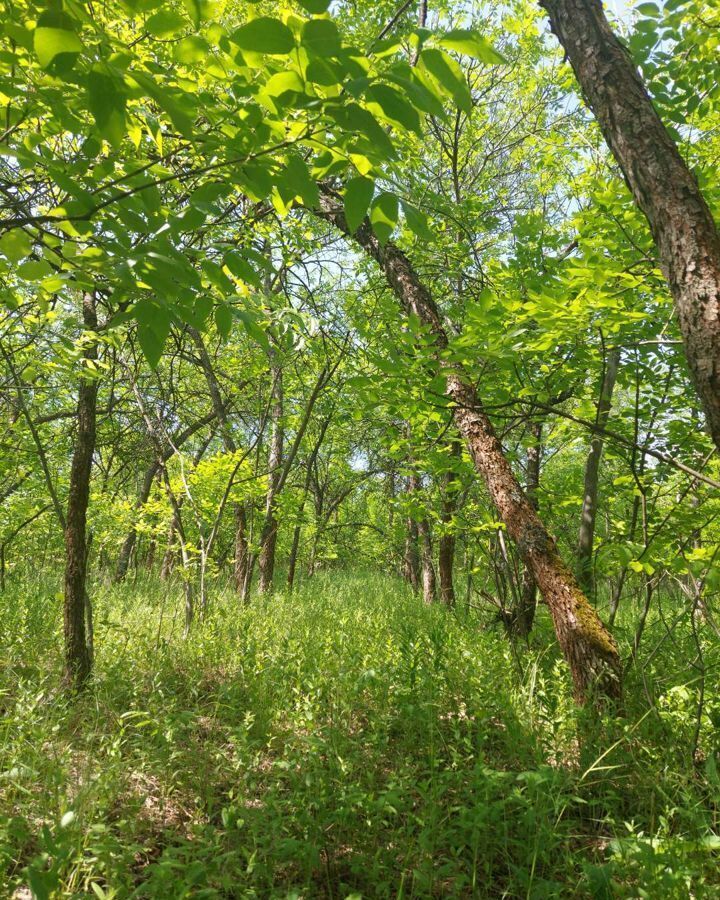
(588, 647)
(663, 187)
(78, 658)
(446, 562)
(411, 556)
(411, 559)
(429, 584)
(588, 515)
(523, 620)
(268, 537)
(446, 543)
(427, 576)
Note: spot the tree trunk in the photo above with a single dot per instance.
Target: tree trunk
(592, 472)
(426, 562)
(588, 647)
(78, 660)
(446, 562)
(446, 543)
(664, 189)
(422, 530)
(528, 589)
(268, 536)
(242, 552)
(411, 556)
(411, 559)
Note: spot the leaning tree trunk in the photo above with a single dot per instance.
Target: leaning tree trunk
(588, 647)
(78, 661)
(664, 188)
(588, 515)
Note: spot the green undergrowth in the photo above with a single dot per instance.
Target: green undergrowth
(345, 741)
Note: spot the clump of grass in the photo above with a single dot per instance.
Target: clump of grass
(342, 741)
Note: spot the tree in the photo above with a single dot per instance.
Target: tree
(663, 186)
(588, 647)
(77, 609)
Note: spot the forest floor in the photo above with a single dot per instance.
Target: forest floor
(342, 742)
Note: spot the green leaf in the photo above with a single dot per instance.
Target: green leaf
(395, 107)
(250, 323)
(165, 23)
(320, 72)
(217, 277)
(191, 50)
(356, 200)
(472, 44)
(151, 345)
(384, 216)
(107, 104)
(241, 268)
(449, 75)
(223, 319)
(198, 10)
(153, 328)
(284, 82)
(34, 269)
(354, 119)
(315, 7)
(256, 179)
(264, 35)
(296, 182)
(419, 95)
(321, 37)
(50, 42)
(166, 100)
(16, 245)
(417, 221)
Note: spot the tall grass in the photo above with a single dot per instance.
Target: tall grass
(341, 742)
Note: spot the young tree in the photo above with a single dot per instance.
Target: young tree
(76, 608)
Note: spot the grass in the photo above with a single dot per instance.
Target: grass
(342, 742)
